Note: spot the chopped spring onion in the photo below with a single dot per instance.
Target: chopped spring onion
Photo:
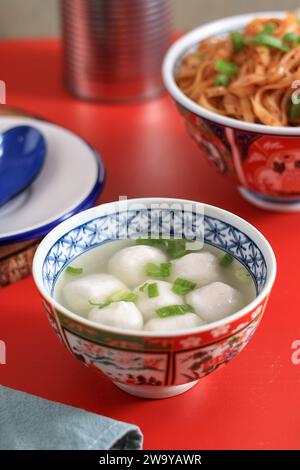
(143, 287)
(181, 253)
(105, 304)
(155, 270)
(269, 28)
(96, 304)
(294, 110)
(242, 275)
(153, 290)
(72, 270)
(263, 39)
(291, 37)
(225, 67)
(183, 286)
(175, 248)
(124, 295)
(172, 310)
(221, 80)
(238, 41)
(226, 260)
(150, 241)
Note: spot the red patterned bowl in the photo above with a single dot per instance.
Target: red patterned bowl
(263, 161)
(151, 364)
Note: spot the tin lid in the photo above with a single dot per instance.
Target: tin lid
(71, 180)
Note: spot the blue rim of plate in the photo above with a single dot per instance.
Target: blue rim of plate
(85, 204)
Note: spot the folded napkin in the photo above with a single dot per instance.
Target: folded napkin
(32, 423)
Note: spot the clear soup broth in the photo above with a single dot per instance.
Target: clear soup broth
(135, 286)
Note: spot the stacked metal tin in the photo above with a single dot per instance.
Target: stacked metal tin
(113, 49)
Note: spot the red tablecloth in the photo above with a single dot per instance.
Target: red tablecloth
(254, 402)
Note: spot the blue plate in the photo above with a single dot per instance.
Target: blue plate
(71, 180)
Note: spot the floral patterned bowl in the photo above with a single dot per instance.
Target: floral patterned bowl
(151, 364)
(263, 161)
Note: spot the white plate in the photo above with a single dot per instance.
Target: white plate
(70, 181)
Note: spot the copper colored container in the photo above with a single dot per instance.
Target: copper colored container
(113, 49)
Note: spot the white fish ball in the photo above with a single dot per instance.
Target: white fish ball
(201, 268)
(94, 287)
(124, 315)
(129, 264)
(166, 297)
(174, 323)
(215, 301)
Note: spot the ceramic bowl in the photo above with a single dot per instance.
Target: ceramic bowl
(150, 364)
(263, 161)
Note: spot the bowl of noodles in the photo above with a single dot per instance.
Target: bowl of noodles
(236, 82)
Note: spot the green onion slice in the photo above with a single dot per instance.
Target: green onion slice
(269, 28)
(124, 295)
(221, 80)
(152, 290)
(226, 260)
(242, 275)
(172, 310)
(155, 270)
(263, 39)
(175, 248)
(238, 40)
(150, 241)
(183, 286)
(143, 287)
(101, 305)
(181, 253)
(294, 110)
(72, 270)
(225, 67)
(291, 37)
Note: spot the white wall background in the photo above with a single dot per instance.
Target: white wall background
(23, 18)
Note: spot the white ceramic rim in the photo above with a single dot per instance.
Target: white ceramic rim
(209, 210)
(190, 40)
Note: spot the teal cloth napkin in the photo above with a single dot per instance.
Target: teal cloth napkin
(31, 423)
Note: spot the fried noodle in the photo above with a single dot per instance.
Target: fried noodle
(260, 91)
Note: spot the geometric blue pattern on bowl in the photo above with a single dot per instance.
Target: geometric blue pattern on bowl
(115, 226)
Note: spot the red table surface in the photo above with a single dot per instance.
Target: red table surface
(253, 403)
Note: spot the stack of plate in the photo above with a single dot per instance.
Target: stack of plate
(113, 49)
(70, 181)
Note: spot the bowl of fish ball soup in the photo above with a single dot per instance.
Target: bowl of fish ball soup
(154, 293)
